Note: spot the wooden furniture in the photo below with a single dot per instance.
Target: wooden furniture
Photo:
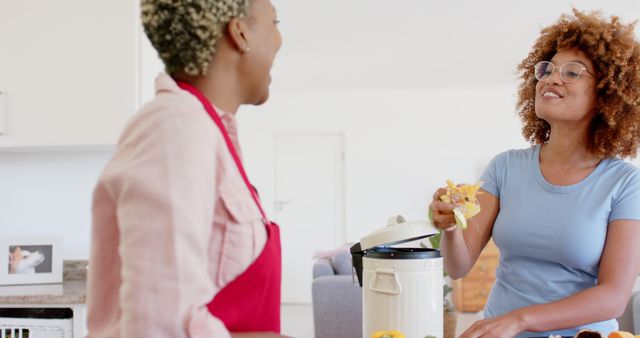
(470, 292)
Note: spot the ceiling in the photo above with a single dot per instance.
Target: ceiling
(381, 44)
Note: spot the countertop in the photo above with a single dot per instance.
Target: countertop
(73, 289)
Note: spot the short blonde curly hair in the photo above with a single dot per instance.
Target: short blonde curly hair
(185, 32)
(611, 46)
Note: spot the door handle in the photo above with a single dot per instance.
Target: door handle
(281, 204)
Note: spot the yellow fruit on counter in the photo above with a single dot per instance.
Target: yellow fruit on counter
(387, 334)
(621, 334)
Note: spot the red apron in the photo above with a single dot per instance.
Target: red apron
(251, 302)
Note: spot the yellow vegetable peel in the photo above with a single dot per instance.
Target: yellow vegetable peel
(464, 197)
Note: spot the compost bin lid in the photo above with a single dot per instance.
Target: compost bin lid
(398, 231)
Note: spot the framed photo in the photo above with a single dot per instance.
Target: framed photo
(30, 260)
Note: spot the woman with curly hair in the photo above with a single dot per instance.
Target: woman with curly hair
(180, 244)
(565, 213)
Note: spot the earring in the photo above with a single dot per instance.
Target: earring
(247, 49)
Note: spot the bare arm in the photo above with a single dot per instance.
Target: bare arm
(461, 248)
(619, 267)
(618, 270)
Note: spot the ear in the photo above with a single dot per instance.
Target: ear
(238, 31)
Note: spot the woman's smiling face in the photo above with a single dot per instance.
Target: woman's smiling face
(558, 100)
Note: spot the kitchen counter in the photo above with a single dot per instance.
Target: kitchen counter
(73, 289)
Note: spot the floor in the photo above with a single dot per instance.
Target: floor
(297, 321)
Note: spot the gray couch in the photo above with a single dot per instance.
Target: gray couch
(337, 298)
(337, 301)
(630, 320)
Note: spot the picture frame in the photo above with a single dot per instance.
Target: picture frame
(30, 260)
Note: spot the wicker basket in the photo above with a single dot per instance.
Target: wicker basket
(35, 328)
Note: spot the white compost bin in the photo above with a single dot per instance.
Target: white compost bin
(402, 287)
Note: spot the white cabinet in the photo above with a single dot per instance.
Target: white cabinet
(69, 71)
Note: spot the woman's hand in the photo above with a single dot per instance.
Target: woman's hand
(506, 326)
(441, 212)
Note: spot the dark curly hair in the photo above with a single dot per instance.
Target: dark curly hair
(611, 46)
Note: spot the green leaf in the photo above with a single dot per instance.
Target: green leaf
(435, 240)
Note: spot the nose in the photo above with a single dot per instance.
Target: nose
(554, 78)
(279, 37)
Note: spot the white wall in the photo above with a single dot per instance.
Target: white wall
(49, 194)
(400, 145)
(383, 44)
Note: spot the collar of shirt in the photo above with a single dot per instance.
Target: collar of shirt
(164, 82)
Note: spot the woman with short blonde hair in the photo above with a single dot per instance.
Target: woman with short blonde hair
(181, 246)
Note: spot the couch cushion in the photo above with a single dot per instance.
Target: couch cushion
(321, 267)
(342, 263)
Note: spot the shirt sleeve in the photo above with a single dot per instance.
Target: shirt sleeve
(164, 187)
(490, 176)
(626, 205)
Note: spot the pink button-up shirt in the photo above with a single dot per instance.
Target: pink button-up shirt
(173, 223)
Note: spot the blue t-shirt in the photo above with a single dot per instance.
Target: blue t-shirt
(551, 237)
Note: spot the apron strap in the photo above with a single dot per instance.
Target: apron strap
(218, 121)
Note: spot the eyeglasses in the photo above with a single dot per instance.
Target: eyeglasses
(569, 71)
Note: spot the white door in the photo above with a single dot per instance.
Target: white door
(309, 205)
